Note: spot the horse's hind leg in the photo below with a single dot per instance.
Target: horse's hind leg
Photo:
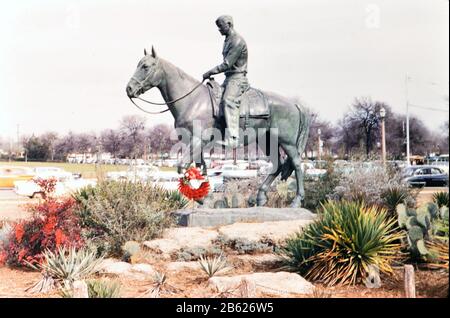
(292, 152)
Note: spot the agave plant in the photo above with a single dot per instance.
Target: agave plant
(176, 196)
(441, 198)
(212, 265)
(99, 288)
(348, 239)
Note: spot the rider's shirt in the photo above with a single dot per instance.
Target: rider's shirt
(235, 55)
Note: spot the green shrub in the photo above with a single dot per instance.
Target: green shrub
(113, 213)
(342, 245)
(319, 191)
(441, 198)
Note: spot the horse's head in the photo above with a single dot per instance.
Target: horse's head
(148, 74)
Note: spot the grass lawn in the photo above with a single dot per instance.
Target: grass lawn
(86, 170)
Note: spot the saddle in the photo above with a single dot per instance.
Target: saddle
(253, 104)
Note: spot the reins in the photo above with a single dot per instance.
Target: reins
(165, 103)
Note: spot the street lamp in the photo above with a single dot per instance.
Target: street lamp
(383, 136)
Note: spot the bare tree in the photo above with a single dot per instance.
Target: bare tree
(132, 129)
(50, 139)
(364, 114)
(111, 141)
(159, 138)
(327, 132)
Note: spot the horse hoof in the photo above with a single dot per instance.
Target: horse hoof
(297, 202)
(261, 201)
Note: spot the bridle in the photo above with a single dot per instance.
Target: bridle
(141, 86)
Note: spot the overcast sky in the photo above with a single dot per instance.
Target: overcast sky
(64, 65)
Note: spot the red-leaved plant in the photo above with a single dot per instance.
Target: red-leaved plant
(53, 224)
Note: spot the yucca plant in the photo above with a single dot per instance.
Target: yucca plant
(344, 243)
(441, 198)
(394, 196)
(69, 265)
(439, 248)
(212, 265)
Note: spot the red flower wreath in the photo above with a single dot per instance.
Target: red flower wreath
(190, 192)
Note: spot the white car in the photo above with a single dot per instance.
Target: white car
(167, 179)
(51, 172)
(312, 172)
(134, 173)
(234, 171)
(63, 186)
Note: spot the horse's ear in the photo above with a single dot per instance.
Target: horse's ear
(153, 52)
(145, 51)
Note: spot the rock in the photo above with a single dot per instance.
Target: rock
(174, 239)
(143, 268)
(163, 246)
(111, 266)
(273, 231)
(247, 289)
(136, 271)
(193, 236)
(260, 259)
(207, 217)
(80, 289)
(280, 283)
(180, 266)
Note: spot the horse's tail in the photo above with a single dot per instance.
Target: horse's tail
(302, 136)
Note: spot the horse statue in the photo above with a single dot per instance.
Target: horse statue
(288, 123)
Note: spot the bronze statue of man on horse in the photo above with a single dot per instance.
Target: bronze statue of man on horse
(194, 107)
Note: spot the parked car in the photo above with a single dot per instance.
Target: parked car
(425, 176)
(10, 174)
(235, 172)
(166, 179)
(134, 173)
(63, 186)
(51, 172)
(311, 171)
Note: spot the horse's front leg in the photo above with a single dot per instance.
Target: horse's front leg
(186, 160)
(194, 154)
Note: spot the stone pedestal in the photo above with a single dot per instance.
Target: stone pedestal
(203, 217)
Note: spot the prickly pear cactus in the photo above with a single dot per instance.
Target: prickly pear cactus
(418, 226)
(221, 204)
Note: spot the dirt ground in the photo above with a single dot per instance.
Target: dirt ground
(194, 283)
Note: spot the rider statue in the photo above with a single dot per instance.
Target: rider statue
(234, 66)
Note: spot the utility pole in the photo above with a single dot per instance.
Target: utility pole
(383, 136)
(408, 162)
(319, 132)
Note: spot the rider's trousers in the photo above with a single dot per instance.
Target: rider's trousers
(235, 85)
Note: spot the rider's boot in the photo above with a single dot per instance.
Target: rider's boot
(229, 142)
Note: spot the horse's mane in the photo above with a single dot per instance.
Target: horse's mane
(181, 73)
